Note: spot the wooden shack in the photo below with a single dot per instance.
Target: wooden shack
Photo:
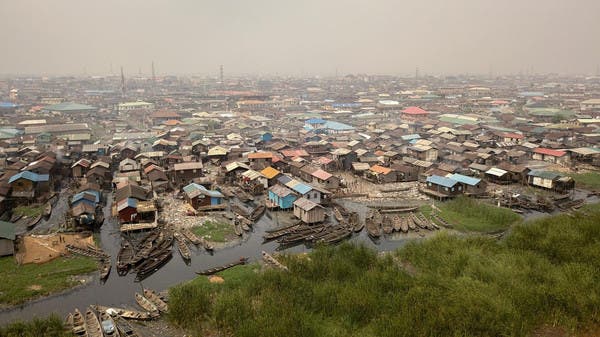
(308, 211)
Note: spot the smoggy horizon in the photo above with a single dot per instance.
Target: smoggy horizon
(69, 37)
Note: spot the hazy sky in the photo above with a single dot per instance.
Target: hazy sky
(299, 37)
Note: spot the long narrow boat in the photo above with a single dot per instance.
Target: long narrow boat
(280, 229)
(191, 236)
(145, 303)
(257, 212)
(107, 322)
(337, 236)
(404, 224)
(105, 267)
(373, 224)
(128, 313)
(92, 324)
(95, 253)
(397, 222)
(124, 258)
(210, 271)
(338, 215)
(125, 328)
(156, 300)
(47, 210)
(78, 324)
(152, 264)
(182, 246)
(34, 222)
(354, 222)
(411, 224)
(237, 228)
(387, 225)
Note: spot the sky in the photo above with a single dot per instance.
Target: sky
(302, 37)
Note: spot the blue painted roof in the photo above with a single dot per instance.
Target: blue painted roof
(7, 105)
(80, 195)
(193, 186)
(315, 121)
(465, 179)
(302, 188)
(29, 176)
(442, 181)
(129, 202)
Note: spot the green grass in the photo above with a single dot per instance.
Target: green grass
(215, 231)
(25, 282)
(51, 326)
(590, 180)
(545, 273)
(472, 215)
(30, 211)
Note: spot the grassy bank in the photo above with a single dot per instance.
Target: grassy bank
(51, 326)
(467, 214)
(590, 180)
(26, 282)
(30, 211)
(215, 231)
(545, 274)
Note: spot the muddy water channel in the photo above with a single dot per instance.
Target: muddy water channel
(119, 290)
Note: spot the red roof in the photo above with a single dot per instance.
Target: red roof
(323, 175)
(414, 110)
(294, 153)
(549, 152)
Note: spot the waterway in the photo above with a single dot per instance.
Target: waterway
(119, 290)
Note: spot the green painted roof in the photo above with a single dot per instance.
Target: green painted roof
(70, 106)
(7, 230)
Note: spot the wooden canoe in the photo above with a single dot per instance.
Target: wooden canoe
(373, 224)
(153, 297)
(125, 328)
(78, 324)
(404, 224)
(397, 221)
(145, 303)
(128, 313)
(191, 236)
(182, 246)
(387, 225)
(105, 267)
(257, 212)
(124, 258)
(104, 317)
(92, 324)
(211, 271)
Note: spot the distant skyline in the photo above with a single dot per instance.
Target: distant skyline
(309, 37)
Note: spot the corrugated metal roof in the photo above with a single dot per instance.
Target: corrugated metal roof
(465, 179)
(280, 190)
(442, 181)
(496, 172)
(29, 176)
(269, 172)
(305, 204)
